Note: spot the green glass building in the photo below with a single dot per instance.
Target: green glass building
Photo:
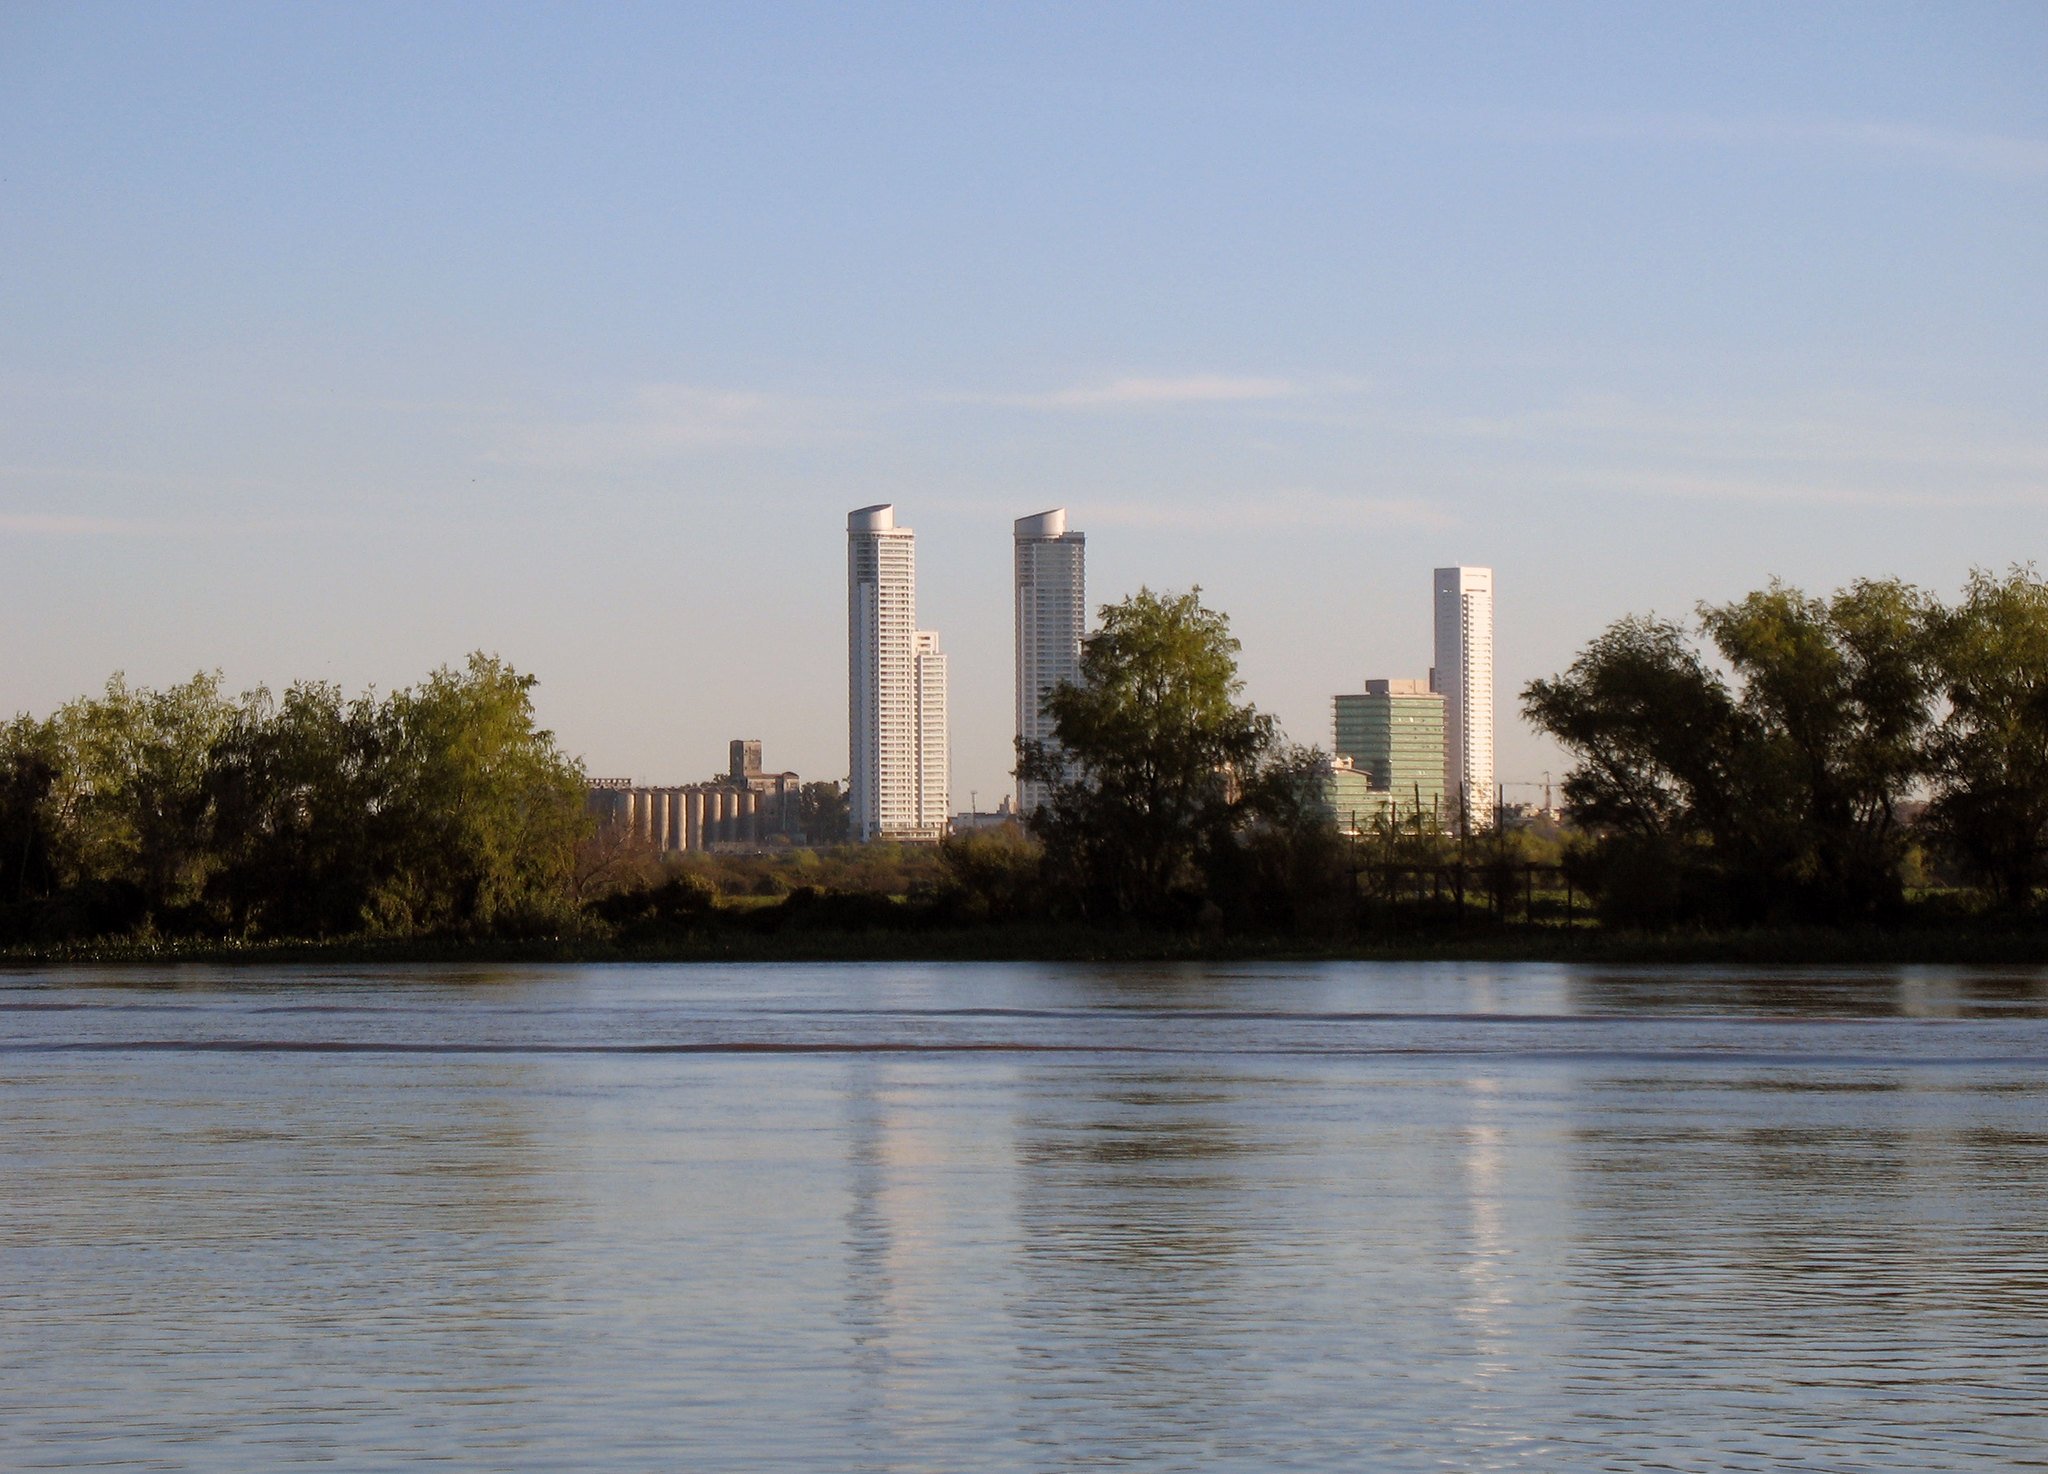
(1393, 734)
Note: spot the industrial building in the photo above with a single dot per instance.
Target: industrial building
(745, 807)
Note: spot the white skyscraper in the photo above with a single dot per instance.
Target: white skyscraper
(1464, 674)
(1052, 611)
(890, 723)
(932, 795)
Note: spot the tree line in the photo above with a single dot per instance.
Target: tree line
(1791, 757)
(439, 808)
(1779, 758)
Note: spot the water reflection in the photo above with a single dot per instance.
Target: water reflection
(1022, 1218)
(1816, 992)
(215, 1257)
(1830, 1255)
(1133, 1223)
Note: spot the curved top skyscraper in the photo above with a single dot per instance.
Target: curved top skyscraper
(1052, 611)
(896, 687)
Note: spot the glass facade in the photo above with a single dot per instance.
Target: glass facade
(1393, 734)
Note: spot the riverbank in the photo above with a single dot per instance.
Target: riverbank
(1782, 946)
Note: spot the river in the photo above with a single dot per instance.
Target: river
(1024, 1217)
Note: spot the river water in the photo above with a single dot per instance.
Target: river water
(900, 1217)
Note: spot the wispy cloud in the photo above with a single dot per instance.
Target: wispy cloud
(659, 421)
(1707, 486)
(48, 524)
(1266, 510)
(1997, 154)
(1145, 393)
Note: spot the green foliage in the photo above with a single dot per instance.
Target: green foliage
(297, 791)
(1287, 869)
(1650, 724)
(680, 899)
(1157, 773)
(1834, 710)
(824, 813)
(481, 811)
(439, 809)
(1776, 797)
(992, 875)
(1989, 757)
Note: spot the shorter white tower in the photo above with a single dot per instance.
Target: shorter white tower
(1464, 676)
(1052, 612)
(932, 785)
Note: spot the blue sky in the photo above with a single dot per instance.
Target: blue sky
(336, 341)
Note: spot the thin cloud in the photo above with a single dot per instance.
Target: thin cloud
(1142, 393)
(1287, 508)
(1894, 438)
(45, 524)
(1707, 487)
(1996, 154)
(660, 421)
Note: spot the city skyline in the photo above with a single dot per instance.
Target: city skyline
(330, 355)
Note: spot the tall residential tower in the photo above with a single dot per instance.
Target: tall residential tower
(1052, 611)
(1464, 676)
(896, 687)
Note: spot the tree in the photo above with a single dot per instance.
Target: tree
(1655, 732)
(1780, 795)
(1650, 724)
(479, 813)
(29, 769)
(297, 796)
(1835, 700)
(127, 802)
(1990, 753)
(823, 813)
(1155, 767)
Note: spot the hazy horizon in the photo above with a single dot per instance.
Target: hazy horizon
(341, 342)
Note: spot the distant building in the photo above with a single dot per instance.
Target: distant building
(776, 794)
(1005, 812)
(1052, 613)
(744, 808)
(1464, 676)
(1349, 798)
(933, 768)
(1389, 755)
(896, 683)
